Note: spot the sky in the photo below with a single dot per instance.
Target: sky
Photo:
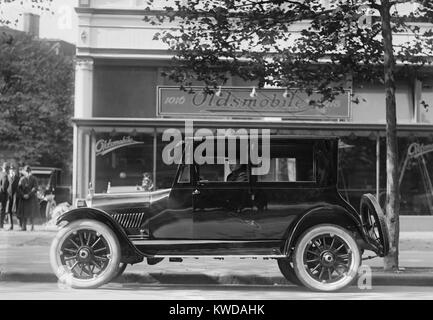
(59, 23)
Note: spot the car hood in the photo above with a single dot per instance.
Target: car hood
(127, 199)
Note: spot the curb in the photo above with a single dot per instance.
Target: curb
(402, 279)
(378, 279)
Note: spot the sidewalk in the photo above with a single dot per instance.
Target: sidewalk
(24, 257)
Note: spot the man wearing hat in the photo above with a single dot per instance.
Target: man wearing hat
(28, 206)
(11, 206)
(4, 184)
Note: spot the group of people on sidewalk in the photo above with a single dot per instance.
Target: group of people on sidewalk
(18, 196)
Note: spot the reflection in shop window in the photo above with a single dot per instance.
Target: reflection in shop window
(165, 174)
(357, 173)
(356, 168)
(123, 163)
(415, 174)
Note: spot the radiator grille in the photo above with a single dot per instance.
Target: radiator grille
(129, 220)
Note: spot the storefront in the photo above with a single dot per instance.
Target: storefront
(124, 105)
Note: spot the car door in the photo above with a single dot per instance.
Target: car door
(171, 216)
(287, 190)
(222, 209)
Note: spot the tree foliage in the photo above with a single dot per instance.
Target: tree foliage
(309, 44)
(36, 101)
(40, 5)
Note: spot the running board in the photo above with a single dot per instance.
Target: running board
(142, 242)
(210, 248)
(221, 257)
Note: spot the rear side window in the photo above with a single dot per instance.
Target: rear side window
(290, 163)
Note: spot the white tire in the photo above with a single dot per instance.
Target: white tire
(326, 258)
(85, 254)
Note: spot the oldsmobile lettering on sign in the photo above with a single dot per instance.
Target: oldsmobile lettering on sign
(106, 146)
(241, 102)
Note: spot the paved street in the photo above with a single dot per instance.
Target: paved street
(43, 291)
(26, 274)
(18, 249)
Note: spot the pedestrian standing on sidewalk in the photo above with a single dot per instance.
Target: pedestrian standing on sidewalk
(28, 206)
(11, 206)
(4, 183)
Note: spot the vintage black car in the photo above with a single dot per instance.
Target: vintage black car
(293, 214)
(52, 190)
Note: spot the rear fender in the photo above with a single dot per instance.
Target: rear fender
(130, 254)
(324, 214)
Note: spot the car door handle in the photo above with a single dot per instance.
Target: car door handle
(196, 192)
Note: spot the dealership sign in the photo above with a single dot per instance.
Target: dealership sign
(415, 149)
(249, 102)
(106, 146)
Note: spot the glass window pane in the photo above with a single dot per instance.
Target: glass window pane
(123, 161)
(290, 163)
(184, 176)
(165, 173)
(415, 174)
(356, 168)
(211, 173)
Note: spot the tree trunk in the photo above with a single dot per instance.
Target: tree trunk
(392, 187)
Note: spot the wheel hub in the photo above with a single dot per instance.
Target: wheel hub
(84, 254)
(328, 258)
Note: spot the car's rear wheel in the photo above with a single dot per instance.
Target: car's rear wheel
(326, 258)
(286, 268)
(85, 254)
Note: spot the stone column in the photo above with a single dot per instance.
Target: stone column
(83, 88)
(83, 110)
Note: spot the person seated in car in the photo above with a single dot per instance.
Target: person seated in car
(238, 173)
(147, 183)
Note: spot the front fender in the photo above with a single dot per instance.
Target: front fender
(324, 214)
(130, 254)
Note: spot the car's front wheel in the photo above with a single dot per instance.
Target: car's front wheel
(326, 258)
(85, 254)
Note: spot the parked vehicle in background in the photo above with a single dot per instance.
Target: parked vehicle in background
(293, 214)
(52, 190)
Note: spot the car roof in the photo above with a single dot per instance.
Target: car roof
(44, 170)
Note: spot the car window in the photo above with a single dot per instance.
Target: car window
(184, 176)
(211, 172)
(290, 163)
(223, 172)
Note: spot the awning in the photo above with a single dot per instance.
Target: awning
(313, 128)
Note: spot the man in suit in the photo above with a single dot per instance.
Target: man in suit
(11, 206)
(28, 204)
(4, 184)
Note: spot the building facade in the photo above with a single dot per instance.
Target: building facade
(123, 105)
